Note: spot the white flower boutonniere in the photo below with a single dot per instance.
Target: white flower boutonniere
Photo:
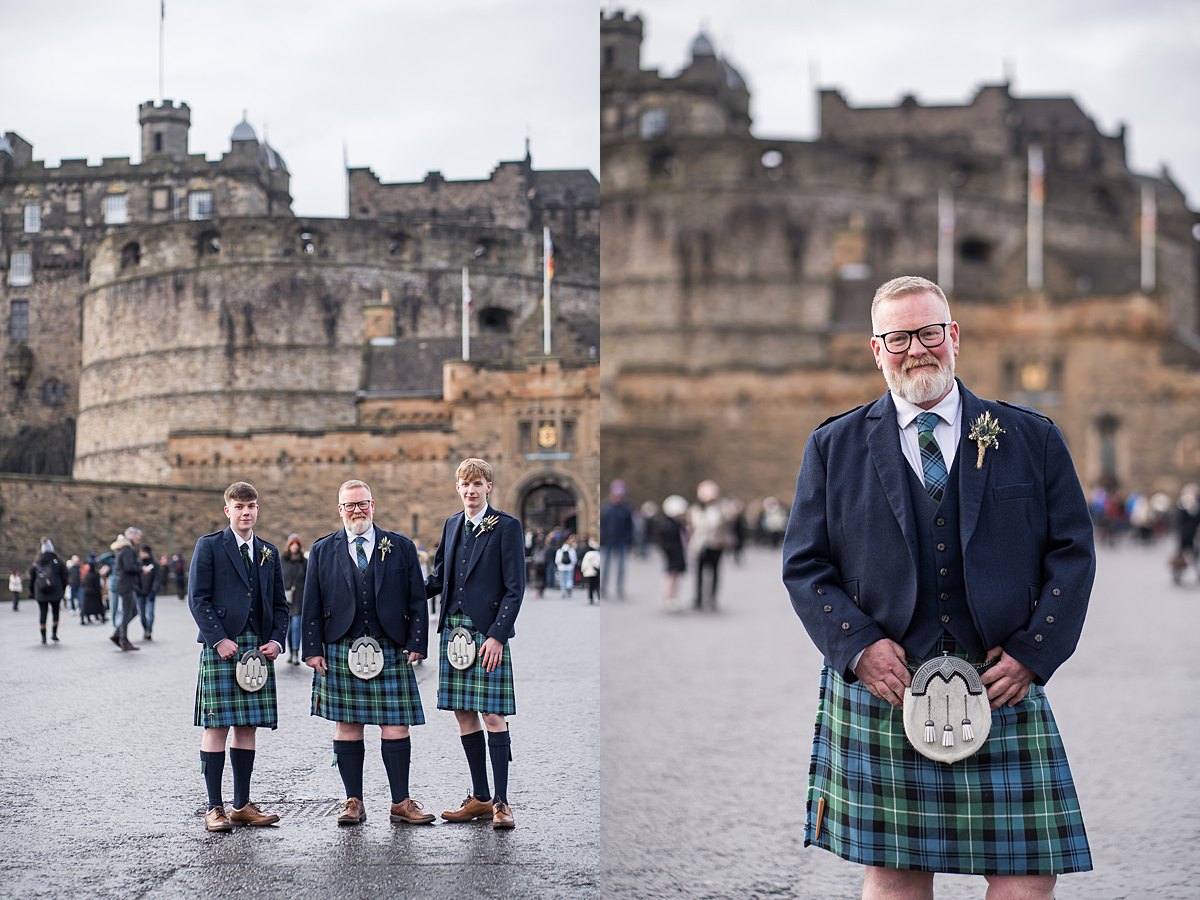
(385, 546)
(265, 556)
(985, 432)
(488, 524)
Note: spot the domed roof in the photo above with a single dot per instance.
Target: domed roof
(702, 46)
(243, 131)
(733, 78)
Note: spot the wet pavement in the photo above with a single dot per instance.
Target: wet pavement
(708, 721)
(99, 771)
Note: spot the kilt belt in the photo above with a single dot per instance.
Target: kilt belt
(1010, 809)
(474, 688)
(390, 698)
(221, 703)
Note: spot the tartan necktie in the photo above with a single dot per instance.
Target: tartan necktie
(932, 463)
(362, 556)
(469, 526)
(246, 560)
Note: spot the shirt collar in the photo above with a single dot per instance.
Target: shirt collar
(478, 516)
(948, 410)
(368, 536)
(249, 543)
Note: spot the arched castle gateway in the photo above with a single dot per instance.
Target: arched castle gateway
(739, 271)
(199, 332)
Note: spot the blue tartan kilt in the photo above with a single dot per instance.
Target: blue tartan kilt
(1010, 809)
(390, 698)
(221, 703)
(475, 688)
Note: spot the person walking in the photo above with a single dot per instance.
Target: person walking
(15, 585)
(616, 537)
(589, 568)
(709, 537)
(564, 564)
(670, 532)
(91, 606)
(127, 568)
(146, 593)
(926, 525)
(295, 567)
(49, 579)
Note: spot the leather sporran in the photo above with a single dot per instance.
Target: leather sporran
(947, 716)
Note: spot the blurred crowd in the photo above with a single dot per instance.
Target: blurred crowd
(1148, 519)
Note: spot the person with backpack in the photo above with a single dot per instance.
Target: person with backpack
(49, 578)
(564, 562)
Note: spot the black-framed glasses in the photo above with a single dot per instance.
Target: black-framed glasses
(361, 506)
(930, 336)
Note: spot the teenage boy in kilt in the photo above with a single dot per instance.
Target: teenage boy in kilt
(363, 582)
(479, 569)
(916, 530)
(236, 597)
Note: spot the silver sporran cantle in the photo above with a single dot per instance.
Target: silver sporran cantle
(946, 712)
(365, 658)
(252, 670)
(461, 648)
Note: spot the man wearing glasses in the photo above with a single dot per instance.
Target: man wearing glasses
(364, 626)
(930, 522)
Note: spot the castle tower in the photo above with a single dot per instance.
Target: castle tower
(620, 43)
(164, 129)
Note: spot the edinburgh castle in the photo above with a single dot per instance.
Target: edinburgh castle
(738, 273)
(171, 326)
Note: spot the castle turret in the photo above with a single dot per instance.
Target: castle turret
(621, 43)
(164, 129)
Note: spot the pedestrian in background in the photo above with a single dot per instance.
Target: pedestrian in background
(73, 599)
(616, 536)
(49, 579)
(564, 563)
(295, 567)
(670, 530)
(179, 569)
(708, 538)
(15, 586)
(146, 593)
(1187, 522)
(91, 606)
(918, 534)
(589, 568)
(127, 569)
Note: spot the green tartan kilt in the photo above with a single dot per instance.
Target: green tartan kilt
(1010, 809)
(475, 688)
(220, 702)
(390, 698)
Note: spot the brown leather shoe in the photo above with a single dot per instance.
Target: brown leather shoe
(353, 813)
(252, 815)
(471, 809)
(126, 645)
(216, 820)
(502, 817)
(410, 811)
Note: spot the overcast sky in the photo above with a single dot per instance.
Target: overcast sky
(409, 85)
(1122, 61)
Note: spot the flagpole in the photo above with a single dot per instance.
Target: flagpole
(1034, 226)
(1149, 238)
(162, 16)
(466, 317)
(546, 257)
(945, 245)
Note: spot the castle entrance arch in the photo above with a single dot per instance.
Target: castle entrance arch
(548, 503)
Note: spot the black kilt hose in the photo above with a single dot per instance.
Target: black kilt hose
(221, 703)
(474, 688)
(390, 698)
(1010, 809)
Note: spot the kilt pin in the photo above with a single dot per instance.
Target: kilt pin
(864, 560)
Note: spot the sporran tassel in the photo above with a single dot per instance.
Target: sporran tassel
(929, 734)
(947, 732)
(968, 731)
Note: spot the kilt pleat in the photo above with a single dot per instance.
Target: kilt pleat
(390, 698)
(474, 688)
(1011, 809)
(221, 703)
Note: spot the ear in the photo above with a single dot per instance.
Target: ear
(877, 350)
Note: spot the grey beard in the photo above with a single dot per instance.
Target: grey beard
(359, 526)
(921, 388)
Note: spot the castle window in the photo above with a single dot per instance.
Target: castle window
(131, 255)
(974, 250)
(200, 205)
(610, 56)
(160, 199)
(20, 271)
(398, 244)
(116, 209)
(18, 321)
(525, 437)
(654, 123)
(158, 142)
(54, 392)
(495, 319)
(567, 444)
(74, 202)
(308, 243)
(33, 217)
(208, 244)
(483, 247)
(662, 164)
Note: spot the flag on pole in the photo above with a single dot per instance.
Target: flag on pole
(547, 277)
(1149, 238)
(548, 252)
(466, 316)
(945, 245)
(1034, 233)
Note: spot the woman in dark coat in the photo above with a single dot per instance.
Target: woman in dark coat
(92, 607)
(49, 577)
(295, 567)
(671, 535)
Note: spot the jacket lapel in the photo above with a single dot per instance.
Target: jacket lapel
(480, 540)
(341, 549)
(453, 530)
(235, 556)
(884, 445)
(379, 567)
(972, 482)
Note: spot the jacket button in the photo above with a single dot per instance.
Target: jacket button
(943, 572)
(945, 619)
(828, 608)
(845, 626)
(941, 521)
(1056, 592)
(941, 546)
(821, 591)
(1038, 638)
(1049, 620)
(944, 596)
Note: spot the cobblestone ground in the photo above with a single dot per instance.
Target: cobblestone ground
(708, 725)
(99, 772)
